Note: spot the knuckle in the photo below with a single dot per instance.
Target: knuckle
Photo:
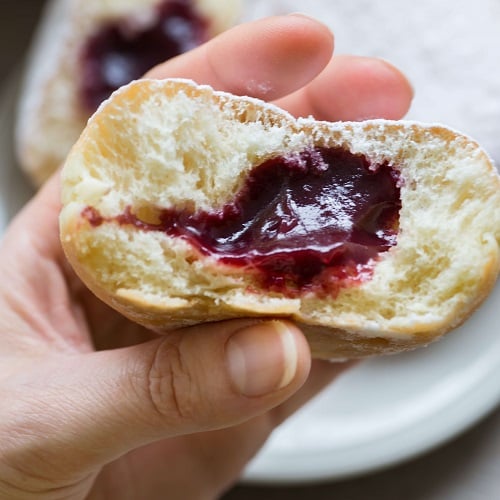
(170, 387)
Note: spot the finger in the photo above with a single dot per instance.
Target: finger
(353, 88)
(79, 413)
(268, 58)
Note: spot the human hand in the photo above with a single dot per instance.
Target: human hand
(94, 406)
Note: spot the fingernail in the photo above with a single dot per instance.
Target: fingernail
(262, 358)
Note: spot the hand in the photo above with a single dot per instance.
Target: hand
(94, 406)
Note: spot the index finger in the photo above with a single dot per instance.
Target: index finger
(268, 58)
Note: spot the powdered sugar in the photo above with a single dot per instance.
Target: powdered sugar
(450, 50)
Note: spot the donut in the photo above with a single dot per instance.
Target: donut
(84, 50)
(183, 205)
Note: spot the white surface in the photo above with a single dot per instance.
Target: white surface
(386, 410)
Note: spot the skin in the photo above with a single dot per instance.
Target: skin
(96, 407)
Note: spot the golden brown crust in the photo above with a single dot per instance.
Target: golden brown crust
(425, 286)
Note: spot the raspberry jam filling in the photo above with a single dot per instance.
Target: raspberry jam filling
(316, 220)
(124, 50)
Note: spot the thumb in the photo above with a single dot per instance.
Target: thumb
(81, 412)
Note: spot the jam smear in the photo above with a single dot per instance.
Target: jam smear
(122, 51)
(315, 220)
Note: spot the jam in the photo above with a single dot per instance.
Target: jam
(315, 220)
(122, 51)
